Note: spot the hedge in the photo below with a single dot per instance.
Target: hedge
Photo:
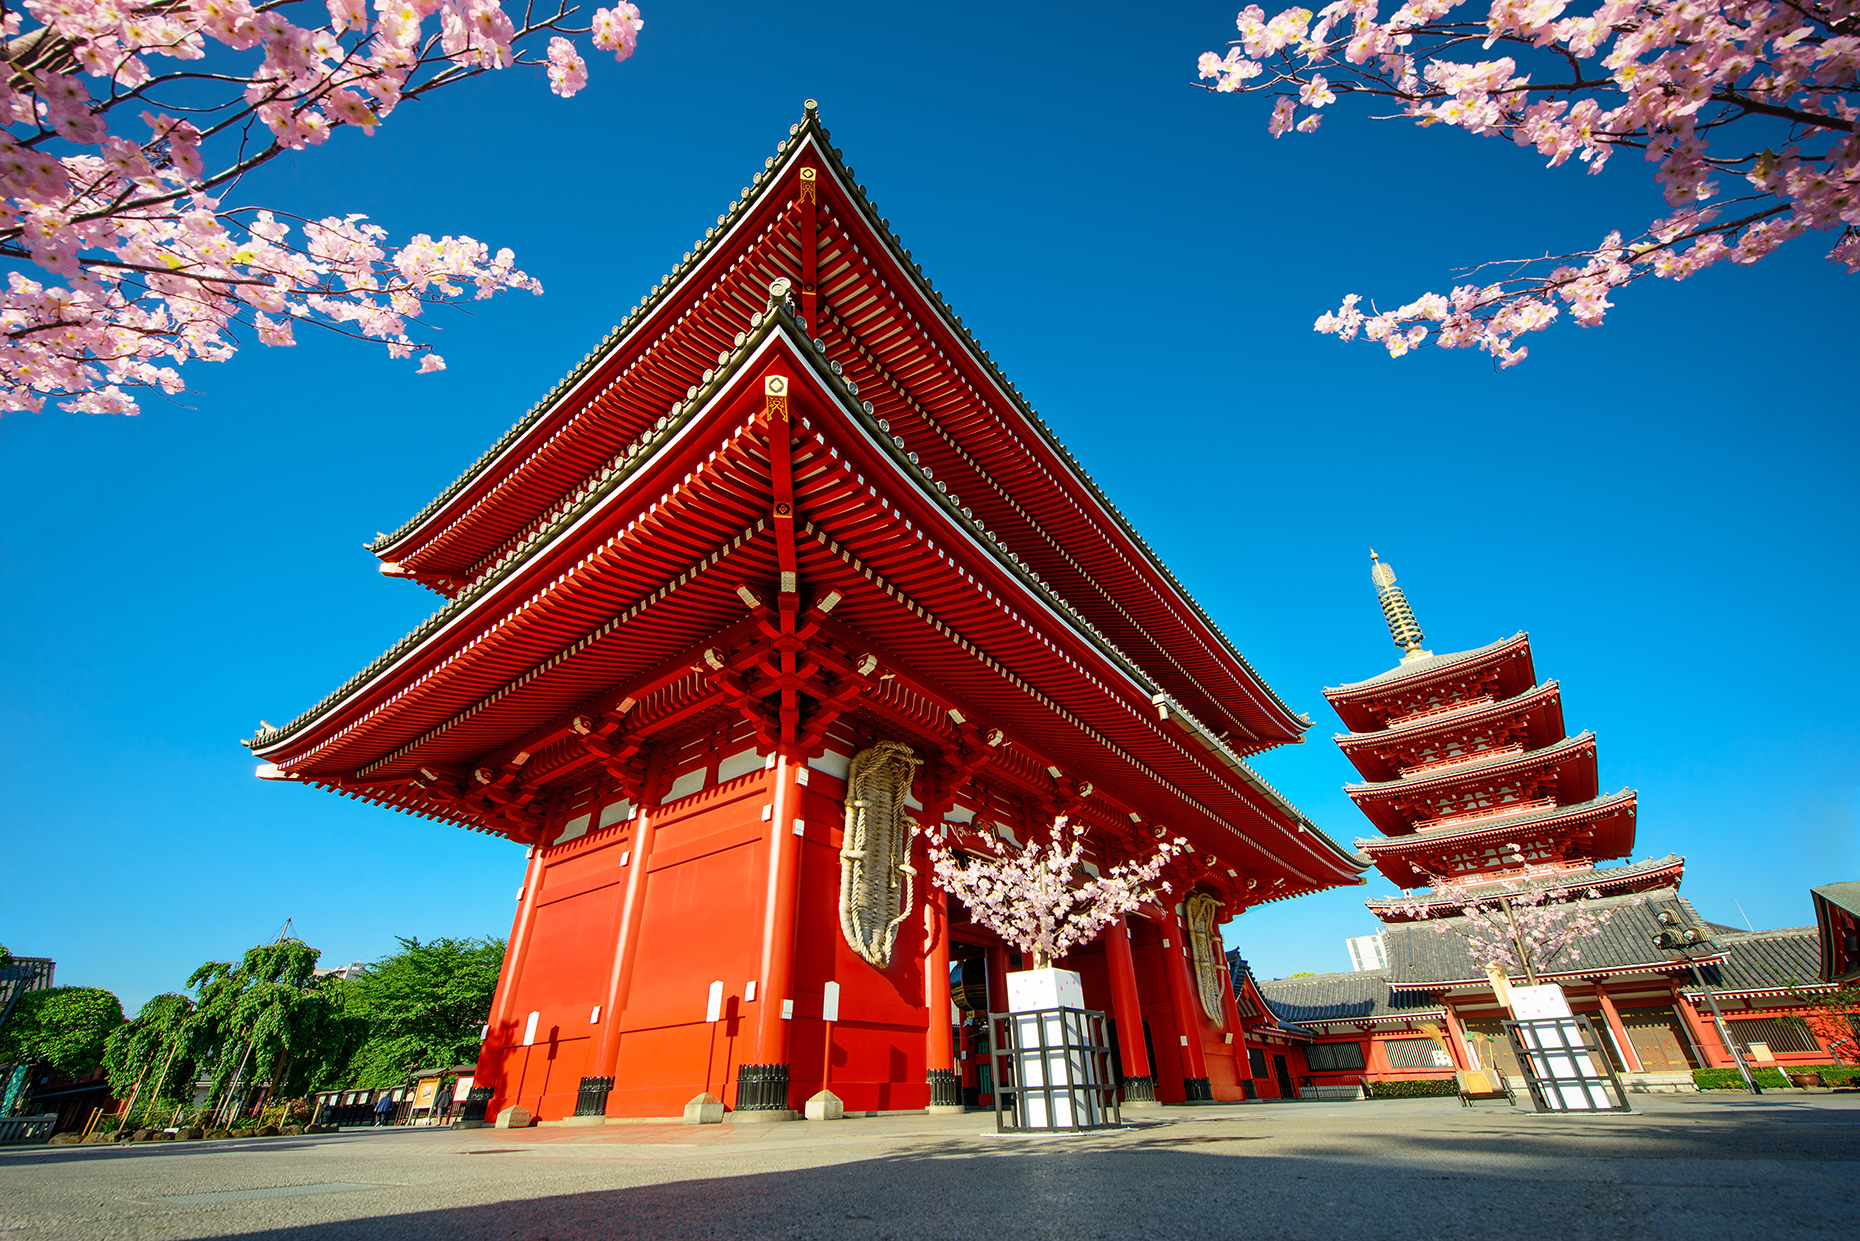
(1425, 1088)
(1772, 1079)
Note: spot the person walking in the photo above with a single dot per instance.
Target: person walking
(384, 1109)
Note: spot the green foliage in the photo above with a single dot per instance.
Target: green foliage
(1731, 1079)
(67, 1026)
(141, 1050)
(1769, 1078)
(267, 1018)
(1414, 1088)
(423, 1006)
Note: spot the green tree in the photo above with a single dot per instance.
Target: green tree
(265, 1020)
(160, 1048)
(424, 1005)
(66, 1027)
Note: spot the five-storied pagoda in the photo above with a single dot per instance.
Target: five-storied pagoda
(782, 570)
(1479, 794)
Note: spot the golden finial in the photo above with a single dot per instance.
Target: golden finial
(1403, 627)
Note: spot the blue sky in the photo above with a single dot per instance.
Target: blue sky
(1666, 503)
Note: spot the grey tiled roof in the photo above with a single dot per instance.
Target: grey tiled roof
(1841, 895)
(1424, 665)
(1359, 996)
(1603, 878)
(1762, 960)
(1421, 954)
(1239, 972)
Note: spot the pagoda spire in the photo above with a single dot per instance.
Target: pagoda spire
(1403, 627)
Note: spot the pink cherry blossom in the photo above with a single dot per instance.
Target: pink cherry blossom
(568, 72)
(1747, 105)
(146, 266)
(1516, 928)
(1039, 897)
(617, 29)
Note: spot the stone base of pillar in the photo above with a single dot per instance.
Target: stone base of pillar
(762, 1093)
(1198, 1090)
(945, 1088)
(1140, 1093)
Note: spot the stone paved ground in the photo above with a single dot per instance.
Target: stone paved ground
(1723, 1166)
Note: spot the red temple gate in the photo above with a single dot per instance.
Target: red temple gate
(788, 514)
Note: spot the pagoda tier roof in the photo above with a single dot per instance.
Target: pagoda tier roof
(616, 608)
(926, 376)
(1422, 957)
(1572, 758)
(1773, 962)
(1365, 705)
(1662, 872)
(1600, 828)
(1541, 708)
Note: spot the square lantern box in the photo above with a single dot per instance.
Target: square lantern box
(1053, 1066)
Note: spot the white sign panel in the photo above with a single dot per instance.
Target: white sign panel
(1539, 1003)
(830, 1003)
(714, 1009)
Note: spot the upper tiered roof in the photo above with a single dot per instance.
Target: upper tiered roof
(888, 330)
(622, 597)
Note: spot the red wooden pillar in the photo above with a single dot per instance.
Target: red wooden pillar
(1629, 1057)
(939, 1046)
(638, 857)
(763, 1087)
(1456, 1040)
(1705, 1036)
(1186, 1007)
(1127, 1007)
(492, 1058)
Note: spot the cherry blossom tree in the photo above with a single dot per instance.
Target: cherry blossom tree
(1746, 109)
(1039, 897)
(1518, 930)
(128, 132)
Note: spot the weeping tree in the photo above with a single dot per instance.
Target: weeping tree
(263, 1022)
(154, 1059)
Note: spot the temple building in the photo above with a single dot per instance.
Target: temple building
(784, 572)
(1479, 793)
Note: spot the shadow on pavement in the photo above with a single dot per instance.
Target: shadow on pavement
(1187, 1186)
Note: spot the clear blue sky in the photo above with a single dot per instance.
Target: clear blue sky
(1667, 504)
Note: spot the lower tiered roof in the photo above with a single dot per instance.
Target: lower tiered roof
(1430, 954)
(1594, 830)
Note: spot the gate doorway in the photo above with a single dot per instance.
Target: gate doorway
(1284, 1074)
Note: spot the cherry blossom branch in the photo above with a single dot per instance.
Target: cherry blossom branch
(1517, 929)
(148, 268)
(1039, 897)
(1667, 79)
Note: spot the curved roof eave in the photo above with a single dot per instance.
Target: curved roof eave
(811, 132)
